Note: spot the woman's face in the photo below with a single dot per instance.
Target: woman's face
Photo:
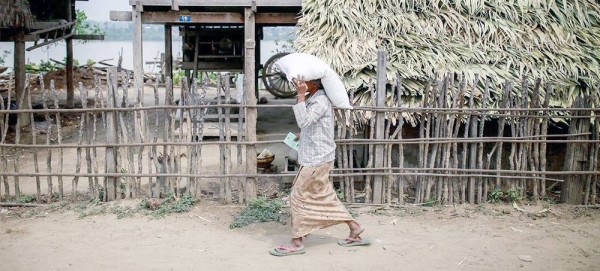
(312, 87)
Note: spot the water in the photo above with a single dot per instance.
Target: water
(101, 50)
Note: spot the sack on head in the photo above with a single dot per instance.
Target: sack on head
(311, 67)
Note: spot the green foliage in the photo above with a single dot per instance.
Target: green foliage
(340, 194)
(495, 196)
(514, 195)
(26, 199)
(259, 210)
(83, 27)
(170, 204)
(3, 56)
(177, 76)
(44, 66)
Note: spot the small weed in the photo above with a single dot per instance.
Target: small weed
(170, 204)
(514, 195)
(495, 196)
(123, 212)
(26, 199)
(430, 203)
(340, 194)
(60, 205)
(259, 210)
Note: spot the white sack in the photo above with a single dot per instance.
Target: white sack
(310, 67)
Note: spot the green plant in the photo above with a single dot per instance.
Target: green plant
(26, 199)
(83, 27)
(177, 76)
(340, 194)
(257, 210)
(514, 194)
(495, 196)
(170, 204)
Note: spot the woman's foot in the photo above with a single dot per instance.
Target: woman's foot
(294, 247)
(355, 229)
(354, 238)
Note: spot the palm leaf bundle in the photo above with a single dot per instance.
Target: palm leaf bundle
(15, 13)
(557, 41)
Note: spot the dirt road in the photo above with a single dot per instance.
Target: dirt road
(417, 238)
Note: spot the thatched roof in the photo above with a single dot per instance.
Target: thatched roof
(15, 14)
(555, 40)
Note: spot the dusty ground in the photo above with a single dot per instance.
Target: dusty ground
(413, 238)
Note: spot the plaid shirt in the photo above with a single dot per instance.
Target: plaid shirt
(315, 119)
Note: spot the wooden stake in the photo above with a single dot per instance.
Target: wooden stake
(249, 88)
(472, 132)
(111, 134)
(38, 195)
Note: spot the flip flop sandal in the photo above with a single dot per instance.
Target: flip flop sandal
(350, 242)
(282, 251)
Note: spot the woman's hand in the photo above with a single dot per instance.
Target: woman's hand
(301, 87)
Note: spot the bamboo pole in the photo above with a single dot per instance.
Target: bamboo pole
(424, 123)
(592, 102)
(190, 98)
(141, 133)
(38, 195)
(240, 149)
(351, 157)
(17, 154)
(482, 187)
(448, 191)
(344, 182)
(338, 151)
(459, 184)
(228, 167)
(176, 150)
(82, 123)
(472, 131)
(165, 156)
(94, 156)
(523, 131)
(398, 134)
(154, 188)
(200, 129)
(544, 134)
(127, 136)
(5, 120)
(368, 190)
(534, 128)
(111, 135)
(378, 182)
(45, 97)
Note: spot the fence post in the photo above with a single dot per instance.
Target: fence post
(251, 112)
(111, 133)
(379, 125)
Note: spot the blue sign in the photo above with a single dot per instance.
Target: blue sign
(185, 18)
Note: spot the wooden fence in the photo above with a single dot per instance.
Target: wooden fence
(458, 152)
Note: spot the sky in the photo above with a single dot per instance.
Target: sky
(99, 10)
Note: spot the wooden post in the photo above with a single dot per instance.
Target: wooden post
(19, 61)
(577, 153)
(249, 89)
(69, 65)
(111, 133)
(380, 125)
(473, 147)
(138, 55)
(168, 67)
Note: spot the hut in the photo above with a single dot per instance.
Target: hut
(32, 21)
(554, 40)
